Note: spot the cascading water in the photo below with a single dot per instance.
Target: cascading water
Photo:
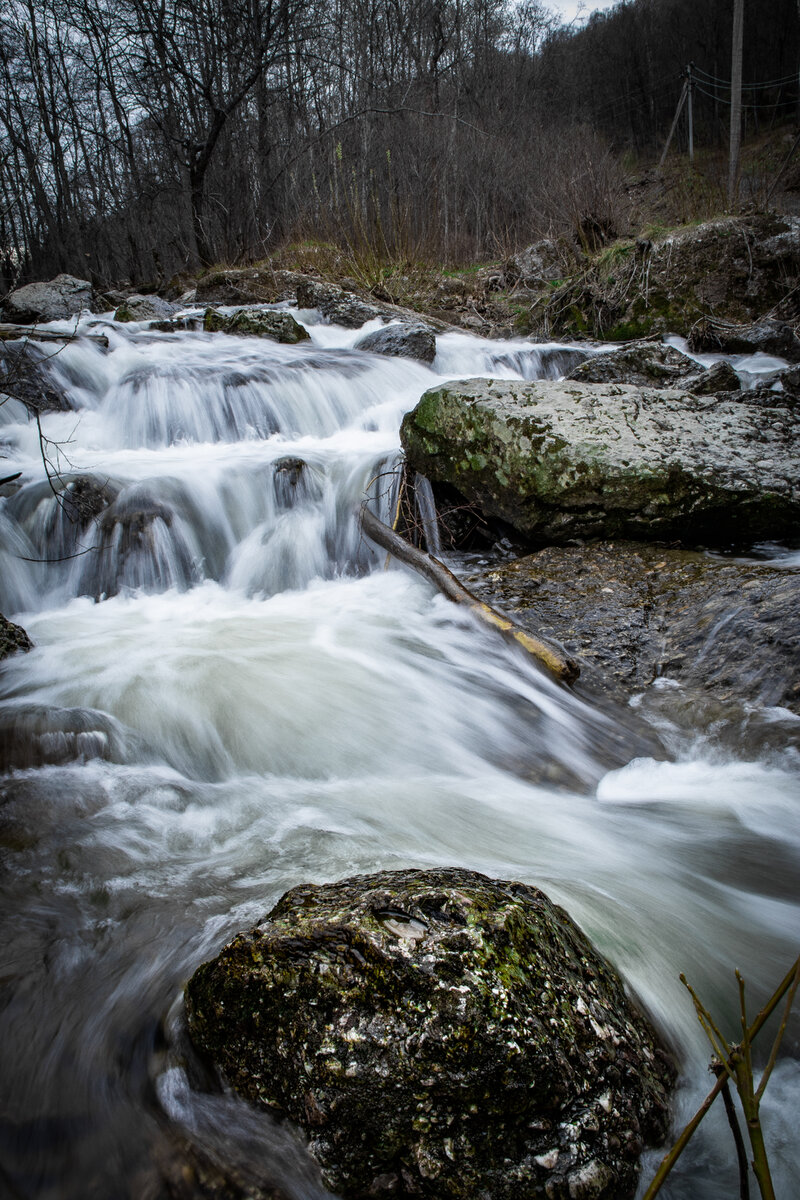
(229, 695)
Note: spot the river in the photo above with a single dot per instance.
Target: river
(231, 692)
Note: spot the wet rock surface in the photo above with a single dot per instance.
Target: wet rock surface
(406, 340)
(630, 614)
(652, 364)
(560, 460)
(13, 638)
(34, 735)
(62, 297)
(437, 1033)
(253, 322)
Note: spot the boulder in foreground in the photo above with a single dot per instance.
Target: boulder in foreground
(440, 1034)
(559, 460)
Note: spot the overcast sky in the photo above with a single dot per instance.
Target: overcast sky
(569, 8)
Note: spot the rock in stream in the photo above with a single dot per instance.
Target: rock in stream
(559, 460)
(437, 1033)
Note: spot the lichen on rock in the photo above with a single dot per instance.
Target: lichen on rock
(437, 1033)
(558, 460)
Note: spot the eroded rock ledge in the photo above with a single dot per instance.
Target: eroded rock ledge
(439, 1034)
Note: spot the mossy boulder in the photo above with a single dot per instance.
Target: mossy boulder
(558, 460)
(276, 325)
(13, 638)
(440, 1034)
(246, 285)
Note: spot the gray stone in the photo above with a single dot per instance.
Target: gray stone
(539, 263)
(145, 308)
(719, 377)
(62, 297)
(564, 460)
(437, 1033)
(337, 305)
(646, 363)
(415, 340)
(257, 322)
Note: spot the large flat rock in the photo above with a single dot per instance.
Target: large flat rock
(560, 460)
(726, 630)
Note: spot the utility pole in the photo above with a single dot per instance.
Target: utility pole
(736, 103)
(689, 86)
(681, 102)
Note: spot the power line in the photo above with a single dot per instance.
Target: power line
(759, 105)
(746, 87)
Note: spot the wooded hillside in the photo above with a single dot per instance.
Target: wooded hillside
(139, 138)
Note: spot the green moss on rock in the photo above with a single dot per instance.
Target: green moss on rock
(437, 1032)
(563, 459)
(252, 322)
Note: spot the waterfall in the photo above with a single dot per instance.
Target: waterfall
(230, 695)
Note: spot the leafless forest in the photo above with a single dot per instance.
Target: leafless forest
(141, 137)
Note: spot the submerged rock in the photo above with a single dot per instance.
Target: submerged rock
(257, 322)
(64, 296)
(440, 1034)
(34, 735)
(564, 460)
(632, 614)
(415, 340)
(13, 638)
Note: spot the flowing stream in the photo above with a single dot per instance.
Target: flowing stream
(231, 692)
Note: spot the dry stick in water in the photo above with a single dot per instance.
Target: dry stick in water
(437, 573)
(728, 1069)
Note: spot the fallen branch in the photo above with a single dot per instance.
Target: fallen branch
(14, 333)
(437, 573)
